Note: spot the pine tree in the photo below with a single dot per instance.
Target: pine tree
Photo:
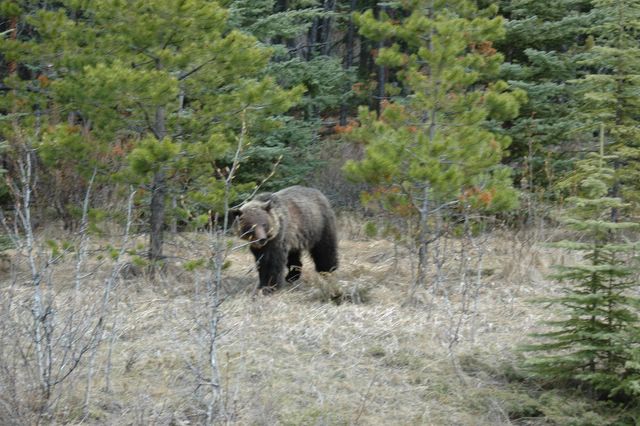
(596, 339)
(431, 148)
(169, 77)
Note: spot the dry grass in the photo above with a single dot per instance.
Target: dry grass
(342, 349)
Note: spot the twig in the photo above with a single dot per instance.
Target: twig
(363, 400)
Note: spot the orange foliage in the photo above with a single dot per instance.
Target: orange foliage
(486, 48)
(403, 210)
(347, 128)
(71, 129)
(358, 88)
(44, 80)
(383, 190)
(117, 151)
(483, 196)
(486, 197)
(468, 193)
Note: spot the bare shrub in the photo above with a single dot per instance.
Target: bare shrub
(55, 311)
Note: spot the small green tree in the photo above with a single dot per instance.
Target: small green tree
(596, 341)
(431, 150)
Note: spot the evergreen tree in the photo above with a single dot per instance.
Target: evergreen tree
(542, 40)
(608, 92)
(431, 148)
(297, 60)
(170, 77)
(26, 107)
(596, 341)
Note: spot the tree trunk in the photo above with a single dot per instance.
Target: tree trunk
(13, 27)
(381, 72)
(348, 60)
(312, 38)
(329, 6)
(423, 242)
(280, 6)
(158, 193)
(382, 78)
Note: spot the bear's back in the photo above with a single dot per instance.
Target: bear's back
(308, 212)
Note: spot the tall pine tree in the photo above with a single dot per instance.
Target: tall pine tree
(431, 148)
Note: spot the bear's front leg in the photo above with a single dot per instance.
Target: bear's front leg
(271, 267)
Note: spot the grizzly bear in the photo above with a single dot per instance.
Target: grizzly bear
(281, 225)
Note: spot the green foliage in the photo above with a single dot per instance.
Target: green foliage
(162, 86)
(595, 339)
(289, 146)
(139, 261)
(370, 229)
(5, 243)
(608, 90)
(260, 18)
(151, 154)
(323, 78)
(541, 43)
(293, 142)
(437, 139)
(193, 265)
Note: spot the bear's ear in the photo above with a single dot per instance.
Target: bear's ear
(234, 214)
(269, 203)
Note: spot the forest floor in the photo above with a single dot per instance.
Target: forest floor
(343, 349)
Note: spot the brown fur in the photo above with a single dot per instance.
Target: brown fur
(280, 226)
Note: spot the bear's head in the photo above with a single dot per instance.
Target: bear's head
(256, 223)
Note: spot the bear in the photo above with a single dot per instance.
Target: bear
(280, 226)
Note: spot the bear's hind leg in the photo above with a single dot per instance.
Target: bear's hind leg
(325, 254)
(294, 265)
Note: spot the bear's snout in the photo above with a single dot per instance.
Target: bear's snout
(259, 243)
(259, 237)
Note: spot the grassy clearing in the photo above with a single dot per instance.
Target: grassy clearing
(342, 349)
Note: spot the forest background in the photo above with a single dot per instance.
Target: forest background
(460, 143)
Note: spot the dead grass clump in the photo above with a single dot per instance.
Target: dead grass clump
(327, 288)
